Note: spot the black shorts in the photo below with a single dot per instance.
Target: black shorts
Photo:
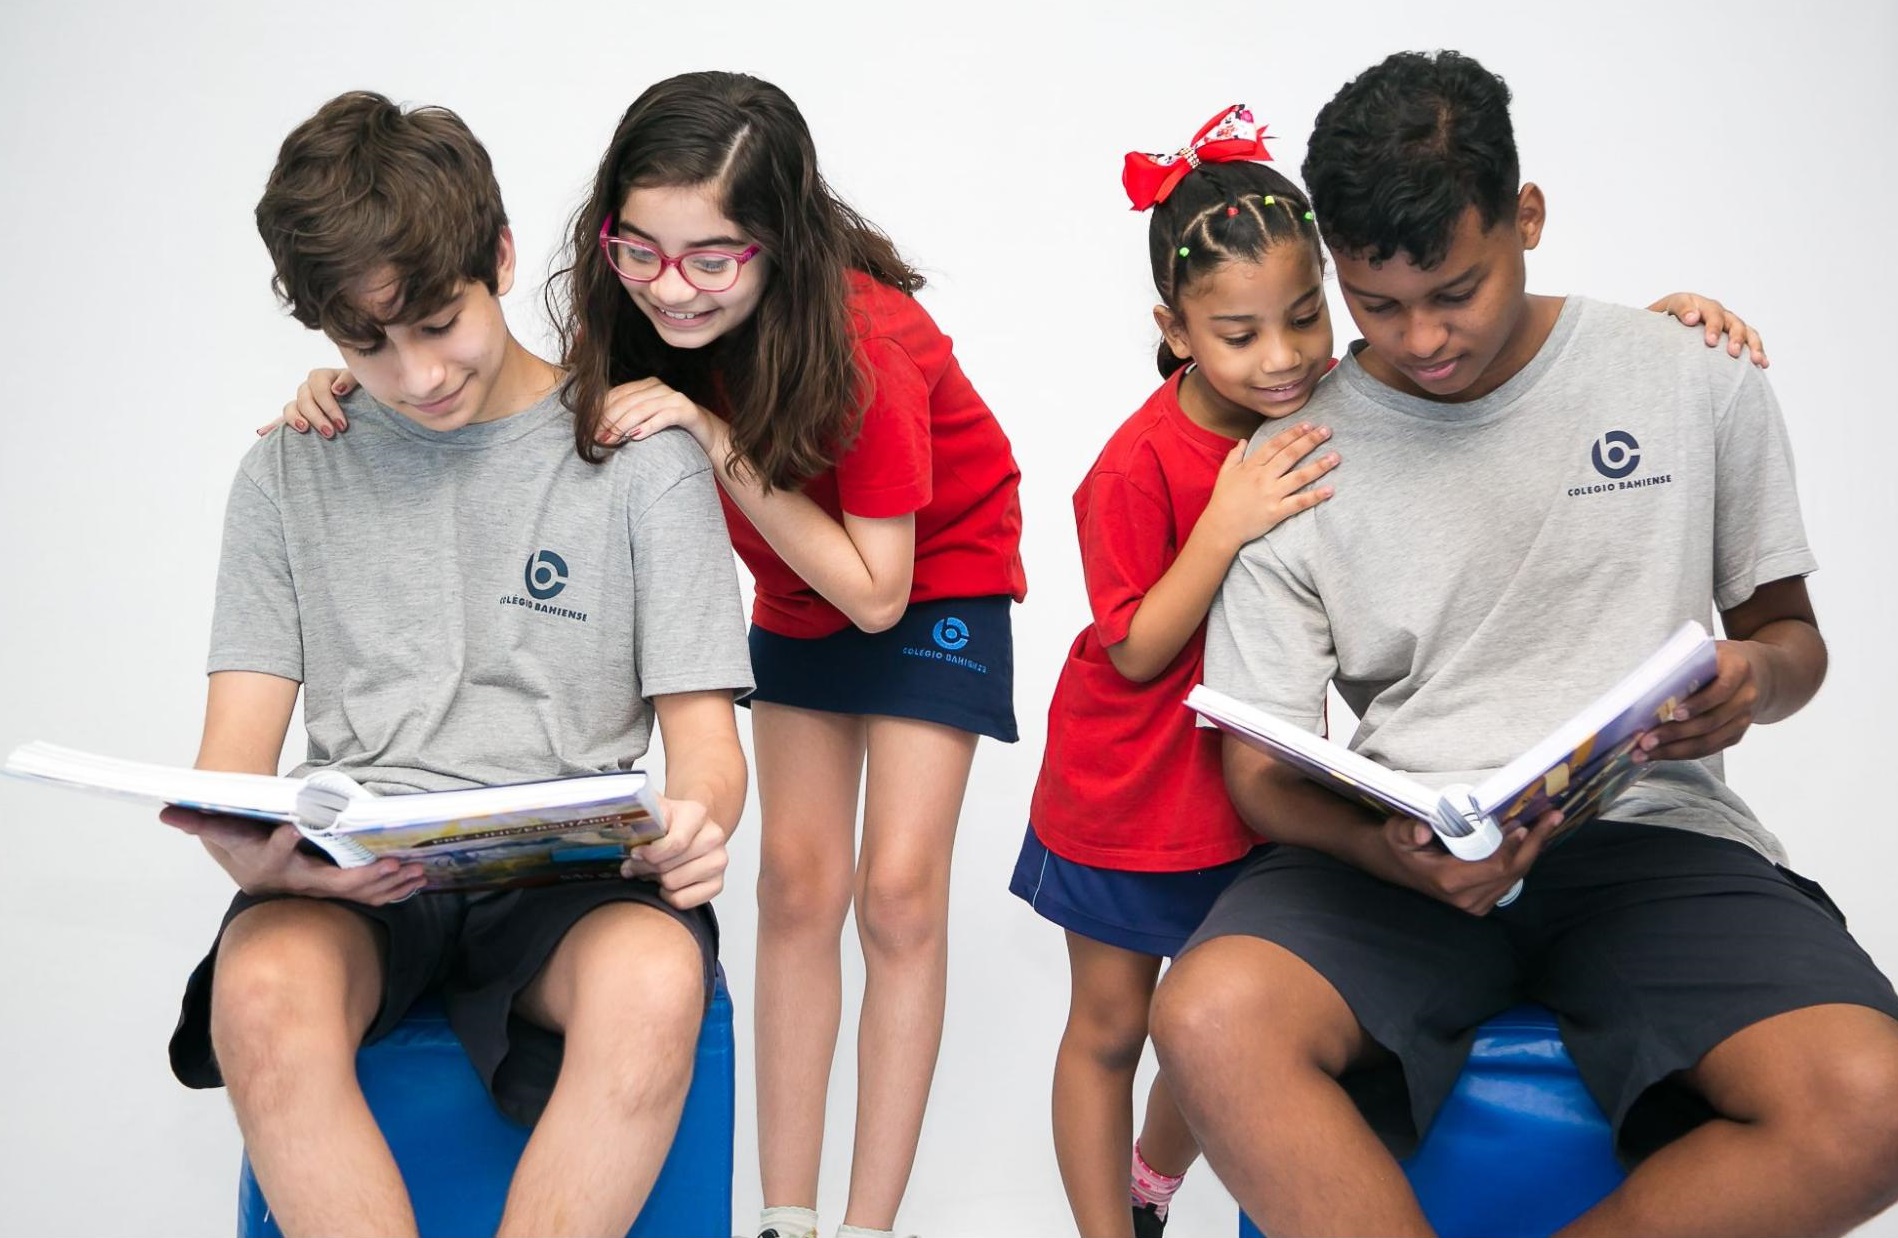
(950, 661)
(1652, 945)
(478, 951)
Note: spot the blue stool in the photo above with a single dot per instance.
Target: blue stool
(1520, 1147)
(457, 1152)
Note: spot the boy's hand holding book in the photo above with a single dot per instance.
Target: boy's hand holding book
(688, 862)
(1409, 853)
(1716, 717)
(272, 861)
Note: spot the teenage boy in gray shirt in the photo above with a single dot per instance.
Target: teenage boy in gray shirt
(1540, 490)
(463, 601)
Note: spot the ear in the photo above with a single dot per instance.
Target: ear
(1173, 331)
(504, 262)
(1531, 213)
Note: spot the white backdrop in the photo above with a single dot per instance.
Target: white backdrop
(1743, 149)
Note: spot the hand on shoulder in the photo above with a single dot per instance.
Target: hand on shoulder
(318, 405)
(1718, 323)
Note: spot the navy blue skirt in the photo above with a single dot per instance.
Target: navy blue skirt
(1147, 913)
(950, 661)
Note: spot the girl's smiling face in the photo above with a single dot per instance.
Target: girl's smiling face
(1258, 332)
(675, 219)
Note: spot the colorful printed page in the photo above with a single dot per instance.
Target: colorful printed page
(1590, 759)
(554, 830)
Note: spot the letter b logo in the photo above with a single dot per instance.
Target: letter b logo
(1616, 454)
(546, 575)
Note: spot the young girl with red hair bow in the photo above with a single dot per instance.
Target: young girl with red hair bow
(1132, 836)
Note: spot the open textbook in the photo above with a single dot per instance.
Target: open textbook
(1578, 769)
(530, 833)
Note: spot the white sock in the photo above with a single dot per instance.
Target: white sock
(789, 1221)
(858, 1231)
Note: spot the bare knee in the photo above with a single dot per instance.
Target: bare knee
(1110, 1030)
(1194, 1017)
(1237, 997)
(294, 988)
(902, 908)
(803, 893)
(633, 1025)
(1845, 1109)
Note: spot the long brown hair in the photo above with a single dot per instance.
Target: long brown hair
(787, 379)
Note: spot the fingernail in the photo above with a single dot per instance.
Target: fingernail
(326, 432)
(302, 425)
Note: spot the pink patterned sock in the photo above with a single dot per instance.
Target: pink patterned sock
(1150, 1186)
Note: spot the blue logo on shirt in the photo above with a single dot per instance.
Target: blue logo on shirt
(952, 634)
(546, 575)
(1616, 454)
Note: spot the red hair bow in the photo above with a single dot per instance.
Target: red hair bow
(1230, 137)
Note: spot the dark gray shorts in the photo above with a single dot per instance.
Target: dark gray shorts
(478, 951)
(1652, 945)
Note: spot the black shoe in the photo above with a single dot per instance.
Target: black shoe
(1148, 1223)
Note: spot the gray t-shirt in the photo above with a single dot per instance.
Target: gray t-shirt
(478, 606)
(1486, 569)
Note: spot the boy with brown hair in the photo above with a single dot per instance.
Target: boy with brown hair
(383, 575)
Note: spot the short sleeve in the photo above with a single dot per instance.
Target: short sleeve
(1268, 639)
(1759, 535)
(255, 625)
(688, 621)
(887, 471)
(1126, 543)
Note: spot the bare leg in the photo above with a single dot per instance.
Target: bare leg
(1165, 1139)
(298, 983)
(1241, 1017)
(626, 987)
(1094, 1078)
(1808, 1143)
(809, 767)
(917, 772)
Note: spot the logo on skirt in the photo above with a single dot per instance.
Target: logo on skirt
(951, 634)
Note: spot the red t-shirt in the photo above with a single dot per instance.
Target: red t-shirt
(1128, 781)
(928, 445)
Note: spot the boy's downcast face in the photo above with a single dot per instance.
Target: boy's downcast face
(1451, 331)
(442, 371)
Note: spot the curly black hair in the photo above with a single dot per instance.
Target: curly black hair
(1398, 155)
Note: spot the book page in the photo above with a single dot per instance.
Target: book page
(1590, 759)
(1356, 778)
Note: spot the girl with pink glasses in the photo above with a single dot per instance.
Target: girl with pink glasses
(717, 285)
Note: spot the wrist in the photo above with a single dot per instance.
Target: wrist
(1216, 538)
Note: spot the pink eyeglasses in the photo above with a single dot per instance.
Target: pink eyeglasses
(708, 270)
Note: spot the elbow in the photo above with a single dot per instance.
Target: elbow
(1256, 785)
(880, 614)
(1132, 667)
